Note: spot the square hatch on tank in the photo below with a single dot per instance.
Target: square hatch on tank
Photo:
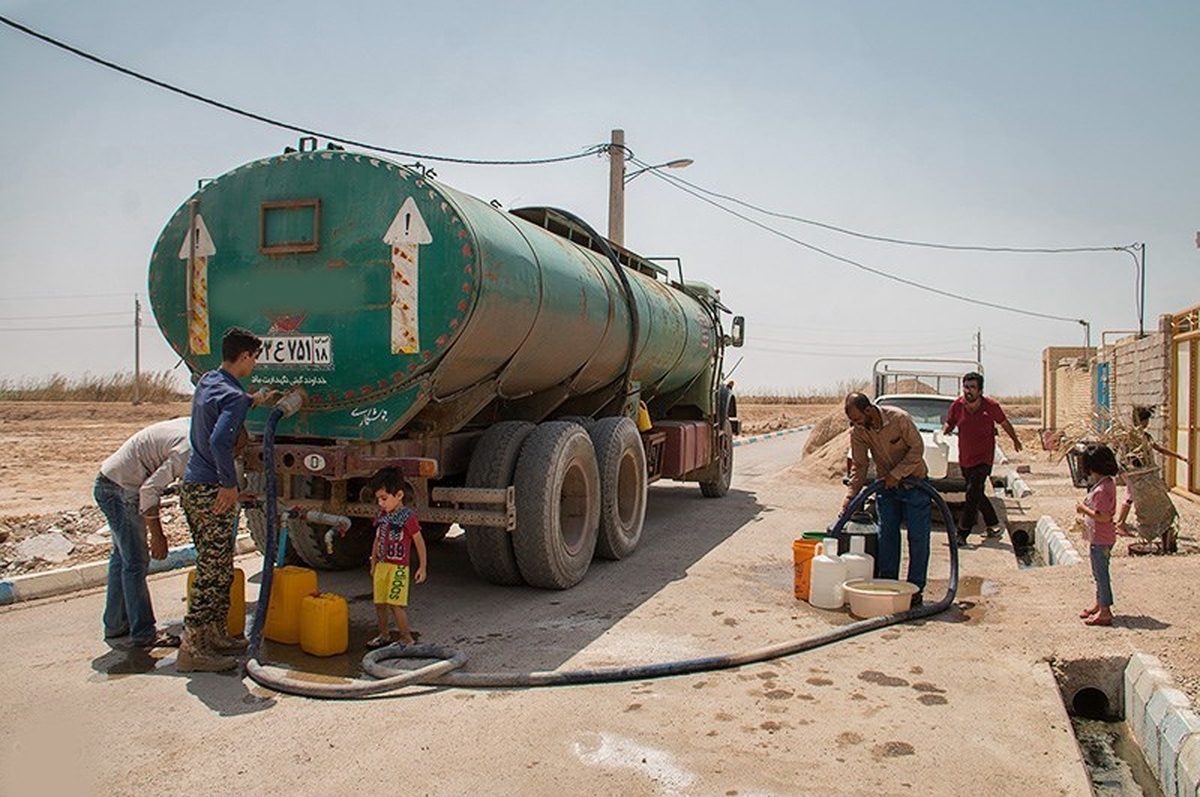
(289, 227)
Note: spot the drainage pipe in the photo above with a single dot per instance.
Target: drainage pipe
(446, 672)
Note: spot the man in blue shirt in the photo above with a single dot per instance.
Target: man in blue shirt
(210, 500)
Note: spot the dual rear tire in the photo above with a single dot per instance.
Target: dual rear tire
(579, 493)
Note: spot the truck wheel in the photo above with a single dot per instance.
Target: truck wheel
(349, 552)
(492, 465)
(256, 520)
(622, 463)
(723, 465)
(558, 505)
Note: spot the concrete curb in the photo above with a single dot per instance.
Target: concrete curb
(49, 583)
(742, 441)
(1163, 725)
(1052, 543)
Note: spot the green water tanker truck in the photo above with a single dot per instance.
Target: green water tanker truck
(528, 377)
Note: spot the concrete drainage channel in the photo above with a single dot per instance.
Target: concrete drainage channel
(1138, 734)
(1041, 544)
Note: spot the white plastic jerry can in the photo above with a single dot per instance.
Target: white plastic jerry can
(828, 575)
(859, 563)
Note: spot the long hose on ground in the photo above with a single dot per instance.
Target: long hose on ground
(445, 671)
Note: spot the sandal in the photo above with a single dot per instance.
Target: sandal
(1086, 613)
(162, 640)
(378, 642)
(1097, 620)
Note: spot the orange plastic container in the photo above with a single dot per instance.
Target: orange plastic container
(324, 625)
(291, 585)
(235, 621)
(803, 552)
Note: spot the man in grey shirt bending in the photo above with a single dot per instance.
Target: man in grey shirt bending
(128, 490)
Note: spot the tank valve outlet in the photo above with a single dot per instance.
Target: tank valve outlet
(339, 523)
(291, 402)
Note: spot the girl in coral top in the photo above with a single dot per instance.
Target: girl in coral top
(1098, 509)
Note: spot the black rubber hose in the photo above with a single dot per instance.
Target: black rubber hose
(446, 672)
(271, 507)
(705, 664)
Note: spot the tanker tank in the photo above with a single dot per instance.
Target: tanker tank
(422, 324)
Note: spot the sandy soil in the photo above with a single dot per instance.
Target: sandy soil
(51, 454)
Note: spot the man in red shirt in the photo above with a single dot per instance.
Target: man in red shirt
(977, 417)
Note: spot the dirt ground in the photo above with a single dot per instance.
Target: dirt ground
(52, 452)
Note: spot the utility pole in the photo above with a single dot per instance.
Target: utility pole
(979, 345)
(1142, 288)
(616, 188)
(137, 350)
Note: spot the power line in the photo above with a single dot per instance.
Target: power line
(900, 241)
(72, 329)
(63, 296)
(874, 346)
(58, 317)
(931, 338)
(592, 150)
(869, 269)
(840, 355)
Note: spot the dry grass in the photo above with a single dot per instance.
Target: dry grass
(157, 387)
(829, 395)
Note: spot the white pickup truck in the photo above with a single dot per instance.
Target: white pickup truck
(928, 411)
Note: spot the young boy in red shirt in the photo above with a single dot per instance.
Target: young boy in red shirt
(396, 532)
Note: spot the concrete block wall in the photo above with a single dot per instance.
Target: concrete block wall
(1140, 375)
(1163, 724)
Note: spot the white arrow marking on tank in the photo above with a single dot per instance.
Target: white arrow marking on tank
(405, 235)
(198, 243)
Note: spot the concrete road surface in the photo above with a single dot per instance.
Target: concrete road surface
(936, 707)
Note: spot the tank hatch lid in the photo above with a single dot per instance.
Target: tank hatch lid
(560, 224)
(705, 293)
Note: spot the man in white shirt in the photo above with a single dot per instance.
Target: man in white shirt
(128, 490)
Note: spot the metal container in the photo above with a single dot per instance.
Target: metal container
(380, 291)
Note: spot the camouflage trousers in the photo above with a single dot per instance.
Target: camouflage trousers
(212, 534)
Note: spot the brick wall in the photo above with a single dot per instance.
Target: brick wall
(1066, 386)
(1073, 391)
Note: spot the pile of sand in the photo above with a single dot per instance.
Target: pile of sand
(825, 430)
(825, 451)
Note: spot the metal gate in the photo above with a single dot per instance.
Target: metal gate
(1103, 393)
(1185, 400)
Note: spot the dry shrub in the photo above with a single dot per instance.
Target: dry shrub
(157, 387)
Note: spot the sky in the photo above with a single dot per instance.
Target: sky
(1019, 124)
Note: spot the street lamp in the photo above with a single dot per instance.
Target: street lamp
(678, 163)
(617, 179)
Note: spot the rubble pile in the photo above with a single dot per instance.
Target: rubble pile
(32, 543)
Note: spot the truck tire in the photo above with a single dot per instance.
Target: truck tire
(349, 552)
(558, 505)
(622, 464)
(492, 465)
(256, 520)
(718, 486)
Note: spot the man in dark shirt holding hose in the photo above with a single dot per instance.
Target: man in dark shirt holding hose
(210, 501)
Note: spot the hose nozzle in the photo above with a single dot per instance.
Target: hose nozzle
(291, 401)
